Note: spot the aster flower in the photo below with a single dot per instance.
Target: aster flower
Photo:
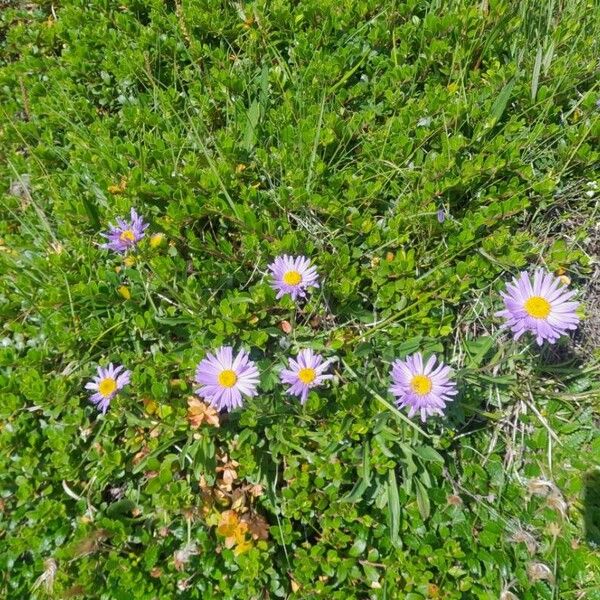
(304, 373)
(125, 234)
(421, 387)
(223, 378)
(106, 384)
(293, 275)
(540, 306)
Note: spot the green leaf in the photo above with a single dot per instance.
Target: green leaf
(422, 499)
(427, 453)
(477, 350)
(253, 117)
(501, 101)
(120, 508)
(358, 547)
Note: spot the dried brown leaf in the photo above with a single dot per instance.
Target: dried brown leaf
(199, 413)
(256, 490)
(119, 188)
(257, 526)
(91, 543)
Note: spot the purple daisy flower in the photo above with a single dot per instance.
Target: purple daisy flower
(441, 215)
(541, 307)
(224, 379)
(106, 384)
(304, 373)
(125, 235)
(420, 386)
(292, 275)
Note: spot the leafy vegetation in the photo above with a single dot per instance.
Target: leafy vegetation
(334, 129)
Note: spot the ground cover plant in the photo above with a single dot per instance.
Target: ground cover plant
(420, 155)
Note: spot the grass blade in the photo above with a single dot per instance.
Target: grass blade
(536, 73)
(394, 509)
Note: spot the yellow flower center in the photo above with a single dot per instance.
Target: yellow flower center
(537, 307)
(127, 236)
(227, 378)
(307, 375)
(421, 384)
(292, 278)
(107, 386)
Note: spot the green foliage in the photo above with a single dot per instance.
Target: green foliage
(335, 129)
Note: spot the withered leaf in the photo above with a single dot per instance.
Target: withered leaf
(257, 526)
(199, 412)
